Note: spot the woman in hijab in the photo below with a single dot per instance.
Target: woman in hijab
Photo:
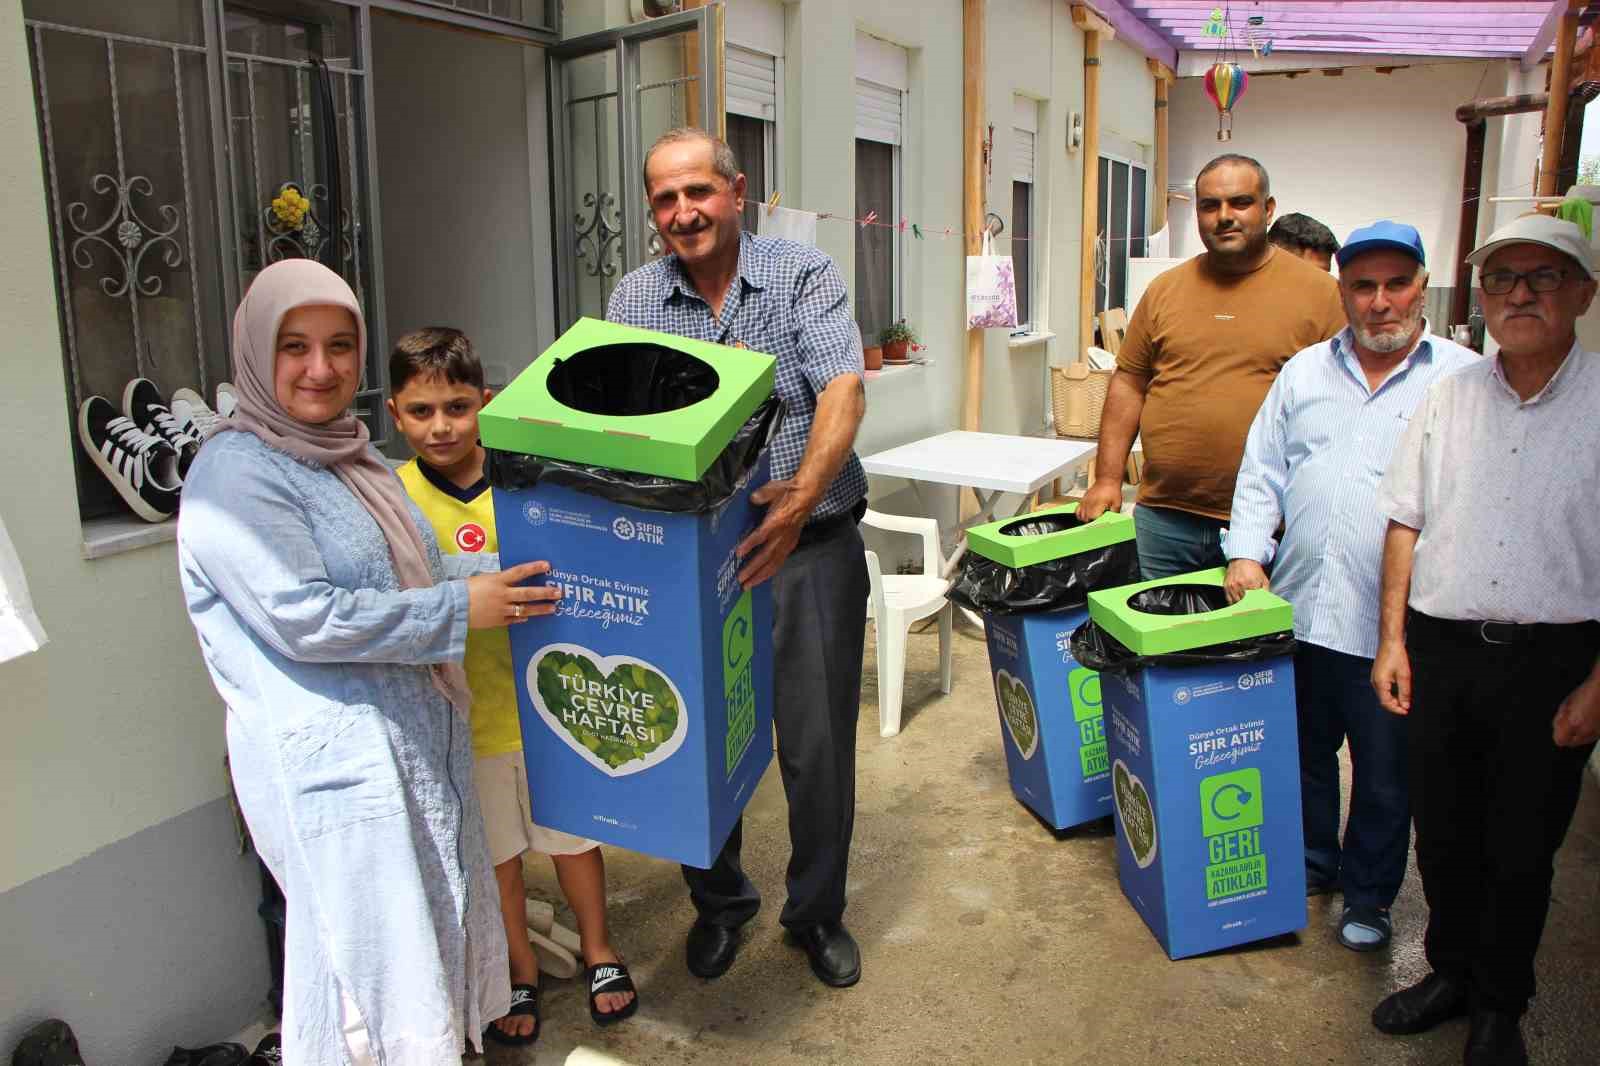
(334, 633)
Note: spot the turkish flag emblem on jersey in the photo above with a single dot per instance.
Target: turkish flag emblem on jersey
(470, 537)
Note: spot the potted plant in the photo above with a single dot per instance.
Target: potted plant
(896, 338)
(871, 354)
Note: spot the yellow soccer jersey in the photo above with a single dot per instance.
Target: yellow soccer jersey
(463, 521)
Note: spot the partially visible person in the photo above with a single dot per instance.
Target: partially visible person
(1316, 452)
(1489, 641)
(1305, 237)
(1205, 343)
(334, 632)
(436, 389)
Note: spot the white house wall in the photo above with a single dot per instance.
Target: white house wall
(1346, 150)
(120, 875)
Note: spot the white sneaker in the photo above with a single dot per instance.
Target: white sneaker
(227, 399)
(192, 413)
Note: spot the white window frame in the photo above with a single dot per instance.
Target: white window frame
(1025, 123)
(887, 66)
(772, 136)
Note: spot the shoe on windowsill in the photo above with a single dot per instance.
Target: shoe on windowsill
(142, 467)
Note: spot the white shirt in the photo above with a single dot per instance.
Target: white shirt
(1504, 493)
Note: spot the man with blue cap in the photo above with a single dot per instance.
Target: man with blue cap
(1315, 454)
(1489, 631)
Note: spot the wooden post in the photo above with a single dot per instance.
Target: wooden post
(1555, 114)
(1094, 27)
(1163, 79)
(972, 207)
(1467, 232)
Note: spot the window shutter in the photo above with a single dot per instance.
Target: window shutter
(751, 83)
(878, 112)
(1022, 155)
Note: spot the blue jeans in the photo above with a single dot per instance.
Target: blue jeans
(1176, 542)
(1336, 701)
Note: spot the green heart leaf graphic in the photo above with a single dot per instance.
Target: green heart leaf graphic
(1016, 708)
(1135, 812)
(621, 714)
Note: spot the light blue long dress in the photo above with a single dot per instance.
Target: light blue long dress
(354, 773)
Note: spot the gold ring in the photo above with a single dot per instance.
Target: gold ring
(516, 610)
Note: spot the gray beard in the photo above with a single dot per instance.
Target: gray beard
(1387, 343)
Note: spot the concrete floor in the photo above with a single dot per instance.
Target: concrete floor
(988, 940)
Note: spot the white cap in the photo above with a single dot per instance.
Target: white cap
(1565, 237)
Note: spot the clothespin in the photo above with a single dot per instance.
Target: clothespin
(916, 231)
(772, 201)
(904, 222)
(872, 216)
(946, 234)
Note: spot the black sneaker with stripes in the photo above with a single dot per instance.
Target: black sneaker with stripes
(142, 467)
(146, 408)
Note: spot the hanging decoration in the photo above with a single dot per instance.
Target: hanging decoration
(1226, 80)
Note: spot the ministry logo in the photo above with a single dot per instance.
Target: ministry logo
(533, 511)
(1180, 696)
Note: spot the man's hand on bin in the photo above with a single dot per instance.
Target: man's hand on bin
(1391, 677)
(775, 538)
(1244, 575)
(1577, 720)
(1105, 494)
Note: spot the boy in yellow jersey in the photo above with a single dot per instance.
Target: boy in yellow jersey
(436, 391)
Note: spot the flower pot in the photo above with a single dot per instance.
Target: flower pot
(895, 351)
(873, 357)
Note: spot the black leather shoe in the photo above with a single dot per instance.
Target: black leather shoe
(1495, 1040)
(835, 959)
(1434, 999)
(712, 948)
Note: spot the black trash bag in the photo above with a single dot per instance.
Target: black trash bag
(1055, 585)
(630, 379)
(514, 470)
(1093, 647)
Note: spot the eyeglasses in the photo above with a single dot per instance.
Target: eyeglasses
(1501, 282)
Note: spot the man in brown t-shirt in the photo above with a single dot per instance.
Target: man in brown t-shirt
(1204, 345)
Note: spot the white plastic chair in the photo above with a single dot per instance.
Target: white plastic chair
(899, 600)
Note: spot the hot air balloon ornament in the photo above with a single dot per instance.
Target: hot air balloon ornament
(1225, 84)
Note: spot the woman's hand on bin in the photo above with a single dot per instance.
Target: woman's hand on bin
(1391, 677)
(1244, 575)
(778, 533)
(500, 599)
(1105, 494)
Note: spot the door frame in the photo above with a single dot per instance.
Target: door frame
(624, 42)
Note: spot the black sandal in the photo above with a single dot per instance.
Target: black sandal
(613, 978)
(524, 1002)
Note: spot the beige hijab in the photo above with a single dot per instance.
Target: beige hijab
(340, 445)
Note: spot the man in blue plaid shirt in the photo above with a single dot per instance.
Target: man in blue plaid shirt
(787, 300)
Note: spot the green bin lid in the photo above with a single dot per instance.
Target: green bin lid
(1144, 633)
(524, 417)
(1017, 550)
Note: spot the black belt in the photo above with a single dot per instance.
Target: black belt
(1491, 634)
(822, 528)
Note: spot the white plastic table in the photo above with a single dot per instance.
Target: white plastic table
(991, 464)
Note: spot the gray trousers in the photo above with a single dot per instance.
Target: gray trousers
(819, 626)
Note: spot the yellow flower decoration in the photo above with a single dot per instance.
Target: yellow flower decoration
(289, 207)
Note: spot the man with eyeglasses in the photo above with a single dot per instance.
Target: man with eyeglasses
(1488, 631)
(1316, 452)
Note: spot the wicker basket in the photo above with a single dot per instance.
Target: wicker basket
(1078, 395)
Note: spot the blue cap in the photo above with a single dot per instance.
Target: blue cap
(1396, 236)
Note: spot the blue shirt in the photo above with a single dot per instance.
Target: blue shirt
(787, 300)
(1317, 450)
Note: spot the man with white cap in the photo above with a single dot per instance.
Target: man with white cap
(1488, 632)
(1317, 449)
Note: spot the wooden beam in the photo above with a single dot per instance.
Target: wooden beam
(1542, 40)
(1091, 185)
(1467, 230)
(1159, 201)
(1089, 20)
(1555, 114)
(972, 214)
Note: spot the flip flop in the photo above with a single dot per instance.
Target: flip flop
(610, 977)
(549, 942)
(524, 1002)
